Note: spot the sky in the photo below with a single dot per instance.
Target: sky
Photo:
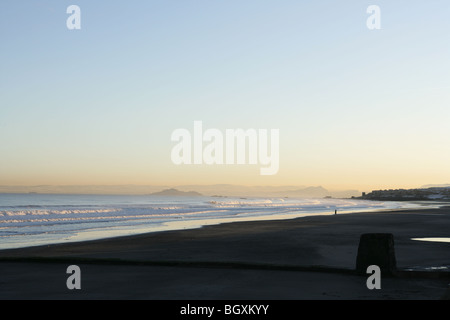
(356, 108)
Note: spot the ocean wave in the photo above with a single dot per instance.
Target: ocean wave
(131, 214)
(239, 203)
(177, 215)
(56, 212)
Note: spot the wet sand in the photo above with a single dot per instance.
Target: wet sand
(232, 261)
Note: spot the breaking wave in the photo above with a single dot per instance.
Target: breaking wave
(43, 219)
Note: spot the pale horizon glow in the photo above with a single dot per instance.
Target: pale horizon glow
(356, 108)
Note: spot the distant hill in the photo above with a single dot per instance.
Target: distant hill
(447, 185)
(175, 192)
(301, 191)
(307, 192)
(270, 191)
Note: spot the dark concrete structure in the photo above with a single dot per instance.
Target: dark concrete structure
(376, 249)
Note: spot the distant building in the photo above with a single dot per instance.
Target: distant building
(409, 194)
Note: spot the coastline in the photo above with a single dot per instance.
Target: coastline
(330, 241)
(115, 220)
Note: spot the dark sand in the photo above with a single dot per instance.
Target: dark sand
(181, 269)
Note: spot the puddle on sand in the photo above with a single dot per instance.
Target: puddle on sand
(432, 239)
(445, 268)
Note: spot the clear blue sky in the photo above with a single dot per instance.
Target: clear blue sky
(356, 108)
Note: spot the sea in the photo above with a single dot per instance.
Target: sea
(42, 219)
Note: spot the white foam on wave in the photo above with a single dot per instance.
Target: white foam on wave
(238, 203)
(58, 212)
(178, 215)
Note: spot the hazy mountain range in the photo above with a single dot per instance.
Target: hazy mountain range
(175, 192)
(206, 190)
(445, 185)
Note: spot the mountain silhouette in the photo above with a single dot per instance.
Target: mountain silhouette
(175, 192)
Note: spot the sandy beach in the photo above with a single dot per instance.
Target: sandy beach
(304, 258)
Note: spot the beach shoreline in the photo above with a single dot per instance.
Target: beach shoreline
(48, 219)
(330, 241)
(180, 224)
